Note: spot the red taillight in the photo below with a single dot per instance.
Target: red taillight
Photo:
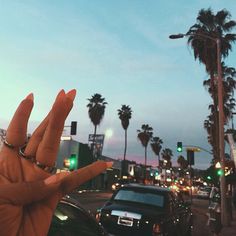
(156, 229)
(98, 216)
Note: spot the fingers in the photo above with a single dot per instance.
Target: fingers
(48, 147)
(70, 181)
(37, 135)
(25, 193)
(17, 129)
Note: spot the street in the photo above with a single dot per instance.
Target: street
(92, 201)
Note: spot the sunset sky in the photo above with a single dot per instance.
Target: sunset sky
(120, 49)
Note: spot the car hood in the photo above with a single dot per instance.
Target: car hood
(143, 210)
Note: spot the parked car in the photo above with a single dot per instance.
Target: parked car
(71, 219)
(204, 192)
(145, 210)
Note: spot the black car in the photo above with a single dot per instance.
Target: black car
(70, 219)
(137, 209)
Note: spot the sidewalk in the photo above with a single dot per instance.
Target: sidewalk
(230, 230)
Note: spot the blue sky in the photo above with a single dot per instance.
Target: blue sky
(119, 49)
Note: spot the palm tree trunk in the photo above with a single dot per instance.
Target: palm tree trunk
(123, 170)
(93, 143)
(125, 144)
(145, 163)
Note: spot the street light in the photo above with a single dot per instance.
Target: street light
(224, 218)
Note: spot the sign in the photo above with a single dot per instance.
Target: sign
(98, 144)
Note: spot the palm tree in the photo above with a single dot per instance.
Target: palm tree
(183, 163)
(210, 26)
(144, 135)
(166, 156)
(96, 111)
(125, 114)
(213, 26)
(156, 147)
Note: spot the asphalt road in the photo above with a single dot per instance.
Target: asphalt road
(92, 201)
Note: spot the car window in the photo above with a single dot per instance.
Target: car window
(70, 221)
(148, 198)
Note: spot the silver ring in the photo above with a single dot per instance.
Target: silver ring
(9, 145)
(22, 154)
(49, 169)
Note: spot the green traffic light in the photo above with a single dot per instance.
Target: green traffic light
(220, 172)
(73, 162)
(179, 147)
(209, 177)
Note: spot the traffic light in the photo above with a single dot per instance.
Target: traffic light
(73, 128)
(219, 172)
(190, 157)
(179, 147)
(73, 162)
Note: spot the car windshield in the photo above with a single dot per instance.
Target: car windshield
(149, 198)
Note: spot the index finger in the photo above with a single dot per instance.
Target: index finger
(17, 130)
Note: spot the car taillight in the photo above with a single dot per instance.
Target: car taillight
(156, 229)
(98, 216)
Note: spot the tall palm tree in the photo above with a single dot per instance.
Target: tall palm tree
(217, 26)
(144, 135)
(125, 114)
(156, 147)
(214, 26)
(96, 111)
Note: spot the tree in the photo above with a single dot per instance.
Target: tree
(156, 147)
(166, 156)
(183, 163)
(200, 37)
(210, 26)
(144, 135)
(125, 114)
(96, 111)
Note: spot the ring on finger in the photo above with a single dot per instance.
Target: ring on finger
(7, 144)
(49, 169)
(22, 154)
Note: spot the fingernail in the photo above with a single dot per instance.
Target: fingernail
(61, 93)
(71, 94)
(30, 97)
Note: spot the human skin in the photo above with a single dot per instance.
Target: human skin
(29, 194)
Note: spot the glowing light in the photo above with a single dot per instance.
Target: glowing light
(108, 133)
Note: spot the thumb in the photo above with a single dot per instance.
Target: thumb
(71, 180)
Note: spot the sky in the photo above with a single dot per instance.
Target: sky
(119, 49)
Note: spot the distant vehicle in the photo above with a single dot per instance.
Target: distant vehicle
(204, 192)
(121, 183)
(70, 219)
(145, 210)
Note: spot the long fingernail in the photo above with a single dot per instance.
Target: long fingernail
(71, 94)
(61, 93)
(30, 97)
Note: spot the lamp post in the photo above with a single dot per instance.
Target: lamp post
(224, 218)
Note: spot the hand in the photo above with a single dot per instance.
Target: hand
(29, 194)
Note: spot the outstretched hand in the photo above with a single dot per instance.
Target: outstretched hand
(28, 193)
